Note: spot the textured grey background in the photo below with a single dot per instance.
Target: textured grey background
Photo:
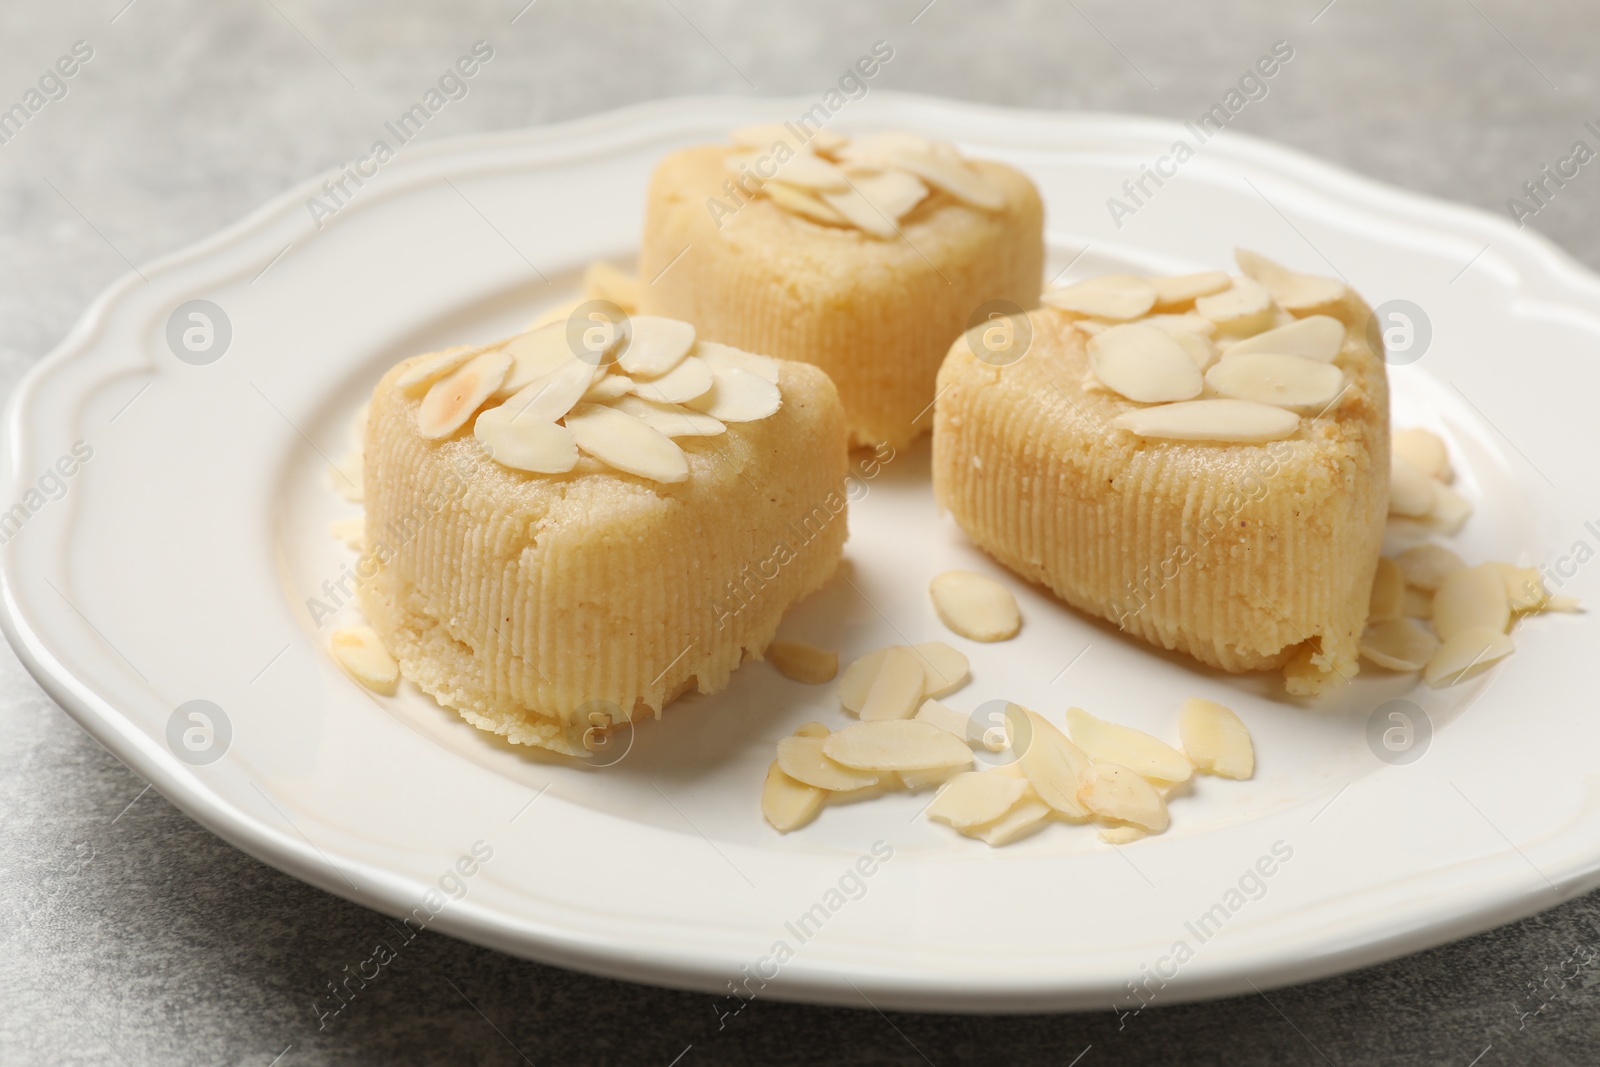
(128, 934)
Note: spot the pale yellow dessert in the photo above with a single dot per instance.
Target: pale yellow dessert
(564, 542)
(1204, 461)
(864, 257)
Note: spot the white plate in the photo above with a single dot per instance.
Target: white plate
(178, 563)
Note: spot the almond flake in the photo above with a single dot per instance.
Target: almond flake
(738, 396)
(1107, 742)
(451, 401)
(608, 387)
(915, 780)
(1182, 324)
(360, 651)
(786, 803)
(1200, 348)
(1426, 566)
(1317, 337)
(1399, 644)
(808, 171)
(896, 745)
(1116, 792)
(1145, 364)
(689, 380)
(1115, 296)
(1180, 290)
(655, 345)
(803, 662)
(1416, 603)
(975, 606)
(1466, 653)
(802, 202)
(944, 717)
(1123, 834)
(1450, 509)
(525, 444)
(1525, 589)
(424, 370)
(1288, 381)
(549, 398)
(1564, 604)
(957, 179)
(1230, 421)
(674, 420)
(973, 798)
(880, 149)
(1028, 815)
(1244, 309)
(897, 689)
(856, 682)
(946, 669)
(1215, 740)
(1052, 763)
(802, 759)
(1471, 597)
(720, 355)
(1388, 591)
(1411, 493)
(1425, 450)
(876, 201)
(349, 531)
(811, 729)
(626, 443)
(536, 355)
(1292, 291)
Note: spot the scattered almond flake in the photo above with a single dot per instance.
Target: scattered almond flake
(1450, 509)
(1318, 337)
(525, 444)
(1228, 421)
(1424, 450)
(1399, 644)
(975, 606)
(1246, 308)
(689, 380)
(1116, 792)
(946, 668)
(1411, 493)
(1215, 740)
(1416, 603)
(801, 202)
(856, 682)
(786, 803)
(801, 170)
(451, 400)
(1122, 834)
(897, 689)
(424, 370)
(1114, 296)
(1288, 381)
(720, 355)
(536, 355)
(1093, 327)
(1200, 348)
(607, 281)
(915, 780)
(1525, 589)
(1292, 291)
(1181, 324)
(655, 345)
(1466, 653)
(1145, 364)
(944, 717)
(802, 759)
(803, 662)
(880, 149)
(1108, 742)
(348, 476)
(1029, 814)
(1388, 591)
(360, 651)
(349, 531)
(1471, 597)
(608, 387)
(896, 745)
(973, 798)
(1051, 763)
(875, 202)
(551, 397)
(738, 396)
(957, 179)
(674, 420)
(1565, 604)
(626, 443)
(1426, 566)
(1180, 290)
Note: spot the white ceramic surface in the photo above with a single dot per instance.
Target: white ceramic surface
(178, 561)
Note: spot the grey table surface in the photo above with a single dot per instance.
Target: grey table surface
(129, 934)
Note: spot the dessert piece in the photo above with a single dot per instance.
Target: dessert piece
(866, 257)
(1201, 463)
(565, 541)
